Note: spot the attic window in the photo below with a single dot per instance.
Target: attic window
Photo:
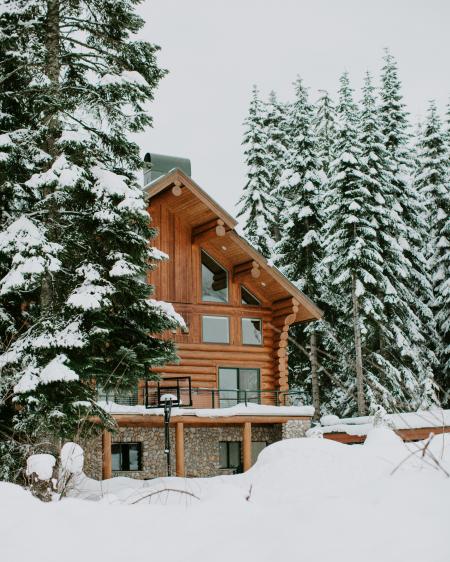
(214, 280)
(248, 298)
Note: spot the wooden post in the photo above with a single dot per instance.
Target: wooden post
(106, 456)
(247, 445)
(179, 449)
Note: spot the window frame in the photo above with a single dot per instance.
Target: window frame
(242, 331)
(203, 316)
(126, 446)
(202, 251)
(238, 369)
(237, 468)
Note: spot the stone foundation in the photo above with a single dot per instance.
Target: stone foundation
(201, 446)
(295, 428)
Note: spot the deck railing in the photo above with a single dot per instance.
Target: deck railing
(182, 394)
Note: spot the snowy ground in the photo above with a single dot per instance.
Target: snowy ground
(305, 499)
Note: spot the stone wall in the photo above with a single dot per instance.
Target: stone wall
(201, 446)
(295, 428)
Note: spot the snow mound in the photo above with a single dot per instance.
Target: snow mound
(42, 465)
(72, 458)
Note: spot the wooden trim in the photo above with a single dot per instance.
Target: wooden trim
(179, 449)
(106, 455)
(247, 445)
(169, 179)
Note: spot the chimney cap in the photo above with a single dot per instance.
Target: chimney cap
(157, 165)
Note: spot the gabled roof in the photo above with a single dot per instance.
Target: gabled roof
(199, 205)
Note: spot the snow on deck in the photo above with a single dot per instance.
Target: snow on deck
(408, 420)
(238, 410)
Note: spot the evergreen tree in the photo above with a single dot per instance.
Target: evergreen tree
(299, 251)
(256, 203)
(325, 127)
(433, 182)
(415, 289)
(77, 245)
(275, 124)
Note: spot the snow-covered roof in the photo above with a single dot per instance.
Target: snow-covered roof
(238, 410)
(435, 417)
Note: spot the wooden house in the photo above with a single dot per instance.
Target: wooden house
(231, 383)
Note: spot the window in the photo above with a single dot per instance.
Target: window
(248, 298)
(257, 447)
(230, 455)
(214, 280)
(251, 331)
(126, 456)
(238, 385)
(215, 329)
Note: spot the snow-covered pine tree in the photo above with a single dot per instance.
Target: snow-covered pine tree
(299, 251)
(350, 244)
(277, 146)
(79, 250)
(432, 180)
(256, 203)
(325, 127)
(415, 288)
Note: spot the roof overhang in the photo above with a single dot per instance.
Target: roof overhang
(231, 249)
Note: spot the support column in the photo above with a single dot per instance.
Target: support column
(106, 455)
(179, 449)
(247, 445)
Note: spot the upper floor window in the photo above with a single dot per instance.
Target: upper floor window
(215, 329)
(251, 331)
(214, 280)
(248, 298)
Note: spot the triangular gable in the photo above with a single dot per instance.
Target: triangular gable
(177, 179)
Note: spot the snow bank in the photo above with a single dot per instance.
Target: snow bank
(305, 499)
(237, 410)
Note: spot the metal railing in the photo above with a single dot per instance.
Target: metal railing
(185, 396)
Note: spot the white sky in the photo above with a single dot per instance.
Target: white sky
(216, 50)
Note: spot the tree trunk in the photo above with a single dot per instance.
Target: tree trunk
(358, 351)
(52, 70)
(315, 389)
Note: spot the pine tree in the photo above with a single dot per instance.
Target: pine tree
(299, 251)
(415, 290)
(277, 145)
(432, 180)
(325, 127)
(256, 203)
(77, 245)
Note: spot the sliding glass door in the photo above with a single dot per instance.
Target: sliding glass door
(238, 385)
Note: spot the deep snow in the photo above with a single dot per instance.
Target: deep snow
(305, 499)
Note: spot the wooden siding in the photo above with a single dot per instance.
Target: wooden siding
(185, 227)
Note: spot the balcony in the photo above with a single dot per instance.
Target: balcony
(182, 394)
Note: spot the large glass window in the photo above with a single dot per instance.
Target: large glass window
(126, 456)
(230, 455)
(215, 329)
(238, 385)
(214, 280)
(251, 331)
(248, 298)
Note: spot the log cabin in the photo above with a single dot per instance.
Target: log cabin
(229, 394)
